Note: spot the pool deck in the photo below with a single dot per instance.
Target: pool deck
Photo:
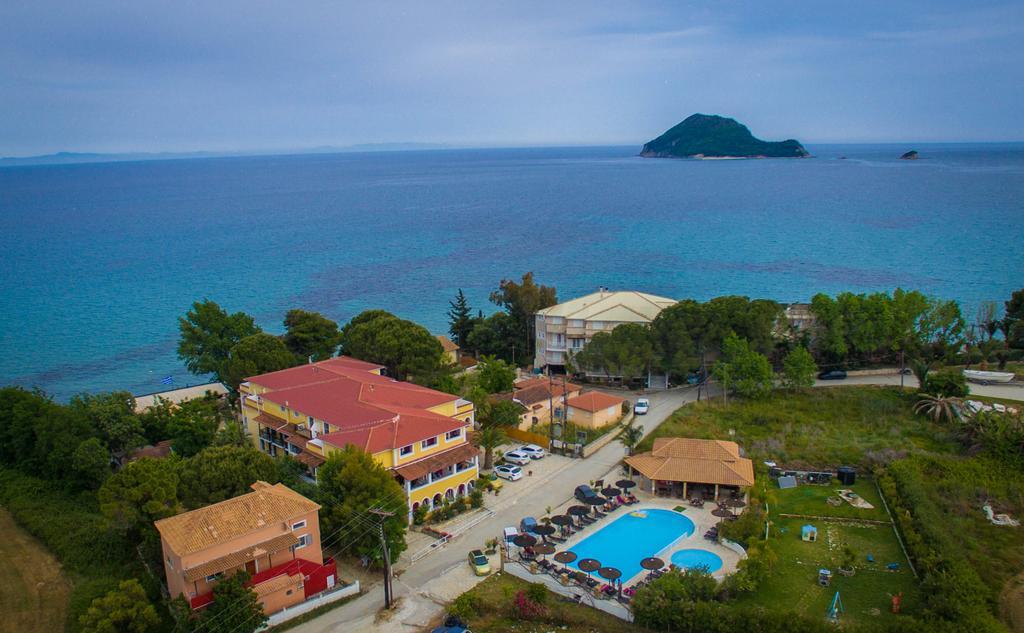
(702, 519)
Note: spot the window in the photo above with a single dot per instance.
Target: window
(170, 563)
(452, 435)
(304, 540)
(575, 322)
(428, 443)
(214, 577)
(309, 420)
(327, 428)
(540, 334)
(405, 450)
(298, 525)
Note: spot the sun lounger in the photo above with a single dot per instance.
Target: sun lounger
(557, 539)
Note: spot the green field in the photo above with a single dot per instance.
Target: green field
(793, 583)
(815, 429)
(33, 590)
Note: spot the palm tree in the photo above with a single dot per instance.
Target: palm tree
(920, 367)
(939, 407)
(631, 436)
(490, 438)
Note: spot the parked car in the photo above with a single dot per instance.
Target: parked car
(642, 406)
(452, 624)
(479, 563)
(516, 457)
(534, 451)
(584, 492)
(527, 524)
(509, 471)
(832, 374)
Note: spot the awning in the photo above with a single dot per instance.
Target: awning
(269, 421)
(239, 558)
(309, 459)
(417, 469)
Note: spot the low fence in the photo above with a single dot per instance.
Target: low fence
(528, 437)
(449, 536)
(879, 371)
(574, 593)
(326, 597)
(732, 545)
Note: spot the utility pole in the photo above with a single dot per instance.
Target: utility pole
(551, 413)
(901, 369)
(389, 595)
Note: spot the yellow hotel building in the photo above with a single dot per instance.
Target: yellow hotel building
(419, 434)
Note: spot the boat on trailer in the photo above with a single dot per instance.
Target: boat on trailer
(988, 377)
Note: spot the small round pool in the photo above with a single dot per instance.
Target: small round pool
(694, 558)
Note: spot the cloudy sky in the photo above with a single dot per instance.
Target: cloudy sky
(254, 75)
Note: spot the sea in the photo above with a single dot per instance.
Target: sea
(100, 260)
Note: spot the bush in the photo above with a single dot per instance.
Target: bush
(537, 592)
(476, 498)
(946, 384)
(465, 606)
(419, 515)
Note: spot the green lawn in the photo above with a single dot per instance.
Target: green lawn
(813, 501)
(815, 429)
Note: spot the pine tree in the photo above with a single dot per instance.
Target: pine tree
(460, 319)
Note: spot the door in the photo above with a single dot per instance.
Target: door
(330, 581)
(250, 567)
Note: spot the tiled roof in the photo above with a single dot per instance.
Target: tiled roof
(241, 557)
(447, 343)
(194, 531)
(418, 468)
(408, 427)
(538, 390)
(275, 583)
(621, 306)
(595, 401)
(695, 461)
(158, 450)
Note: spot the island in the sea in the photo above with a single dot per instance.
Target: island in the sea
(713, 136)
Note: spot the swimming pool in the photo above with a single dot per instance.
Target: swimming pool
(694, 558)
(627, 540)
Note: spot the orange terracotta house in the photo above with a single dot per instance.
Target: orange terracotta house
(594, 409)
(273, 533)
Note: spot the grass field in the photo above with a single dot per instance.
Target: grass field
(819, 428)
(33, 590)
(793, 583)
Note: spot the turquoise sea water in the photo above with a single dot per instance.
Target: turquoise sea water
(629, 539)
(99, 260)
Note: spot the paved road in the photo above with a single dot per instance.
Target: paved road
(421, 584)
(425, 585)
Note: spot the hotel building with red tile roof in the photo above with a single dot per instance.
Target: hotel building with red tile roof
(419, 434)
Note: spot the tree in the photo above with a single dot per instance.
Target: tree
(630, 436)
(113, 416)
(156, 418)
(678, 335)
(255, 354)
(351, 482)
(920, 368)
(948, 384)
(939, 330)
(404, 348)
(502, 414)
(496, 336)
(495, 375)
(655, 605)
(142, 492)
(222, 472)
(208, 333)
(938, 408)
(235, 608)
(310, 335)
(522, 301)
(798, 369)
(91, 463)
(122, 610)
(193, 425)
(490, 438)
(831, 339)
(460, 319)
(742, 369)
(625, 352)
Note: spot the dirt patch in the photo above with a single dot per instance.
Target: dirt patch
(1011, 603)
(33, 591)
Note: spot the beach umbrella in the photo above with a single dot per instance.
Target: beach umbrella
(589, 565)
(561, 519)
(544, 530)
(722, 512)
(610, 491)
(625, 484)
(524, 540)
(652, 563)
(612, 574)
(735, 503)
(565, 557)
(544, 549)
(578, 511)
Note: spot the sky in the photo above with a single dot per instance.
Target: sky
(252, 75)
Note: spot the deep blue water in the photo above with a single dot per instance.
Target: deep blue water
(99, 260)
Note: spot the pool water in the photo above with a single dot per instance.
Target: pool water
(632, 537)
(694, 558)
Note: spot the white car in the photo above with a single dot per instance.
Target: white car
(508, 471)
(642, 406)
(534, 451)
(516, 457)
